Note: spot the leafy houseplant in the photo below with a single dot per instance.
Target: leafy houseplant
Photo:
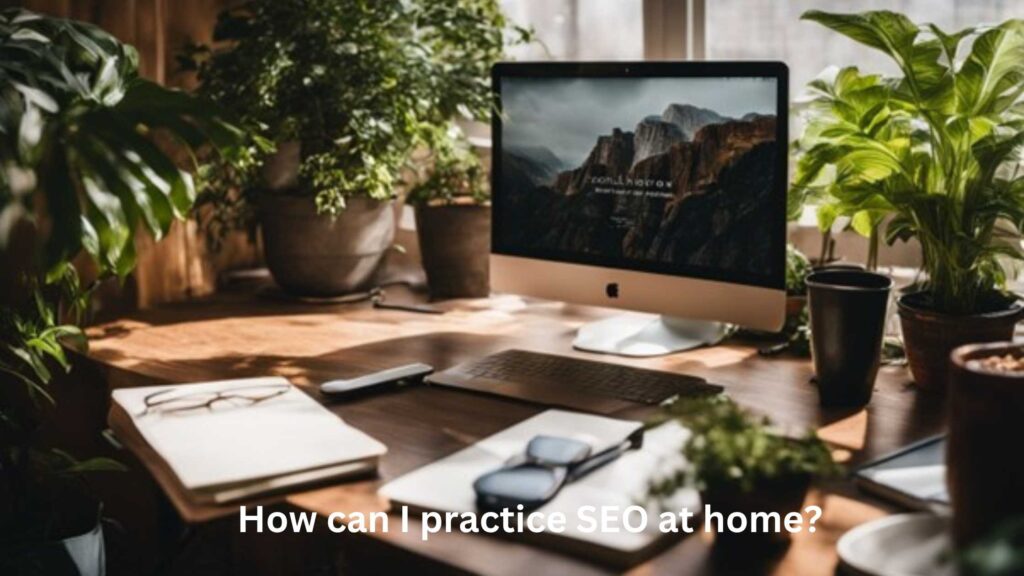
(453, 218)
(930, 155)
(345, 88)
(78, 172)
(738, 463)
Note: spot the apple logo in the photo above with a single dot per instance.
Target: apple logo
(612, 289)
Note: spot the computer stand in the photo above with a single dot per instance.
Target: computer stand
(646, 335)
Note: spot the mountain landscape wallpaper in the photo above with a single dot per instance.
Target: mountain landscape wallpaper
(678, 174)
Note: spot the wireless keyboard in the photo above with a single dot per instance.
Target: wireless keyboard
(571, 382)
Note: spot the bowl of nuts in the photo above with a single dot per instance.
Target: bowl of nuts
(984, 469)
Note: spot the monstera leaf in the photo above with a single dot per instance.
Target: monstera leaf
(931, 151)
(87, 140)
(78, 122)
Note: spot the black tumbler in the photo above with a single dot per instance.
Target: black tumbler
(847, 309)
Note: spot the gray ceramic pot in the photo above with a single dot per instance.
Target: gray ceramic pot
(455, 242)
(314, 255)
(81, 555)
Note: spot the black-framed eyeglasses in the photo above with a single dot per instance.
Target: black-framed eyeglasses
(182, 400)
(536, 476)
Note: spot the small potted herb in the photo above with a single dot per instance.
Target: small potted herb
(740, 464)
(797, 269)
(453, 219)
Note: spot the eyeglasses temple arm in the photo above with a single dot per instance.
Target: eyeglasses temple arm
(598, 460)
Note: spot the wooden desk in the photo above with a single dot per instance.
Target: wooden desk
(238, 335)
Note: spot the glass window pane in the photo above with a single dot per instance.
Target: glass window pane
(772, 29)
(579, 29)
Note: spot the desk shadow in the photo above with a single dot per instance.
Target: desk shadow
(440, 349)
(743, 557)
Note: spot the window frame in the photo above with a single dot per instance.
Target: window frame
(675, 29)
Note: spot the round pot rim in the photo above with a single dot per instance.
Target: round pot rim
(961, 355)
(300, 195)
(832, 286)
(451, 205)
(1016, 308)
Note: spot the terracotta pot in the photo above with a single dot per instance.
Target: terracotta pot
(455, 243)
(986, 422)
(315, 255)
(795, 305)
(782, 495)
(929, 336)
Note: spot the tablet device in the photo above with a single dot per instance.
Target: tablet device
(914, 477)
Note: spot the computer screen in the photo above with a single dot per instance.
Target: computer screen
(671, 175)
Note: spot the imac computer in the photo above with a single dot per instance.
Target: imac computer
(655, 187)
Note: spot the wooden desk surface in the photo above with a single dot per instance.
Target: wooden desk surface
(239, 335)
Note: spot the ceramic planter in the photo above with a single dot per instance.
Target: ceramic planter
(310, 254)
(847, 318)
(930, 336)
(455, 243)
(986, 421)
(77, 555)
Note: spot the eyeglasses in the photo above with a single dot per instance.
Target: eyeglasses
(549, 463)
(167, 402)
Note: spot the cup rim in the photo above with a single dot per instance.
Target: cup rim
(811, 280)
(962, 355)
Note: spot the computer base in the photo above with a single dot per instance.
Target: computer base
(646, 335)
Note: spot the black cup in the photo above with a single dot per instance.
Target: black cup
(847, 310)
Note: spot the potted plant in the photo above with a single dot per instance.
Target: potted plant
(344, 89)
(797, 269)
(929, 154)
(453, 219)
(78, 173)
(739, 464)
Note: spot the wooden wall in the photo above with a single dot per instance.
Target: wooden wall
(180, 266)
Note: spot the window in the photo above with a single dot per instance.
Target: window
(772, 29)
(579, 29)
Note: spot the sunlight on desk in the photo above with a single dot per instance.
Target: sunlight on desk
(850, 432)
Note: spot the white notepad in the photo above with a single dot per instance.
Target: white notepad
(230, 451)
(447, 485)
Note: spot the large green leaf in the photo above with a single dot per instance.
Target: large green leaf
(926, 81)
(993, 70)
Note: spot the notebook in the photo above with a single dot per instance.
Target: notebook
(914, 477)
(447, 485)
(261, 435)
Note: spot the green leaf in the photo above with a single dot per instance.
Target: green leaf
(994, 67)
(950, 42)
(827, 215)
(889, 32)
(926, 81)
(96, 465)
(65, 239)
(900, 227)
